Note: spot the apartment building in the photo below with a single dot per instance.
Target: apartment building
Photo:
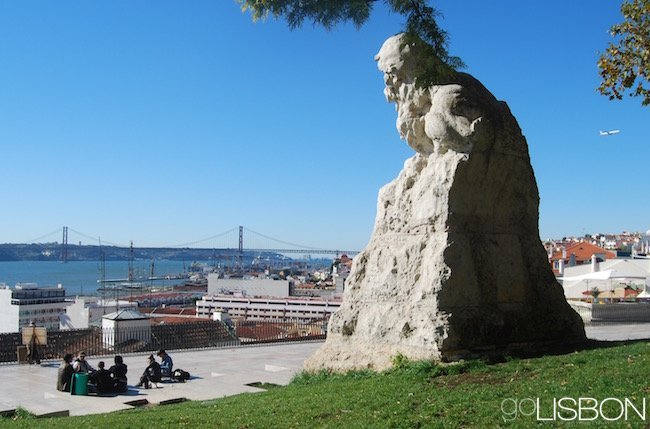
(27, 303)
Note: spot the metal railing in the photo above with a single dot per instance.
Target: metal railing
(192, 335)
(612, 312)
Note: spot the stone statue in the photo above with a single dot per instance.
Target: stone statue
(455, 267)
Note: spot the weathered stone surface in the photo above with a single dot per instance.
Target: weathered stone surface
(455, 266)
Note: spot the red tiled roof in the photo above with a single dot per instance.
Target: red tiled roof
(583, 252)
(305, 286)
(185, 311)
(168, 320)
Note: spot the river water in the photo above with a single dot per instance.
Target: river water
(80, 277)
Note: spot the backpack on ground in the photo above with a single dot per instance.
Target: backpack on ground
(180, 375)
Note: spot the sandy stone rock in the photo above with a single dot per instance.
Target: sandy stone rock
(455, 267)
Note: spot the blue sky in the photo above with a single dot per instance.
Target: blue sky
(167, 122)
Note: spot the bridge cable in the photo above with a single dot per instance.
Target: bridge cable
(56, 231)
(206, 239)
(299, 246)
(97, 239)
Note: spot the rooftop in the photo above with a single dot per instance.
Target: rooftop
(126, 314)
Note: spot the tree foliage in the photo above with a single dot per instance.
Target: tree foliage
(625, 65)
(421, 27)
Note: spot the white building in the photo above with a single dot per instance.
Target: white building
(27, 303)
(248, 287)
(605, 276)
(125, 325)
(88, 311)
(266, 308)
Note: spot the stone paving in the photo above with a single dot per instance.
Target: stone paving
(619, 332)
(215, 373)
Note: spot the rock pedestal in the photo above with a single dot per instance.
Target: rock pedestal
(455, 267)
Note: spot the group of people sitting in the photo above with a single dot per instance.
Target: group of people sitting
(112, 380)
(102, 380)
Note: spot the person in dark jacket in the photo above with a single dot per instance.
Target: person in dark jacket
(166, 364)
(64, 375)
(102, 379)
(118, 374)
(33, 354)
(150, 374)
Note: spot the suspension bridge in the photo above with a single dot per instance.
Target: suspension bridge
(238, 240)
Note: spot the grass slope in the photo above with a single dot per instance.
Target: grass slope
(413, 395)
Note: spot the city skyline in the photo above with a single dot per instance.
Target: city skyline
(167, 123)
(229, 240)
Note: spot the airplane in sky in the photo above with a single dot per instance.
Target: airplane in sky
(609, 133)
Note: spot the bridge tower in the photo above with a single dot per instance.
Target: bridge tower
(64, 245)
(131, 276)
(239, 263)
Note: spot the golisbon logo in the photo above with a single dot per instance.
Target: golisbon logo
(574, 409)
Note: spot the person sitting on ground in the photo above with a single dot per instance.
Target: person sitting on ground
(64, 375)
(102, 379)
(166, 364)
(118, 374)
(82, 365)
(151, 374)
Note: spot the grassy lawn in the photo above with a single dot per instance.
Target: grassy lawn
(471, 394)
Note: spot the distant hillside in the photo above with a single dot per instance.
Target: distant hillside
(52, 252)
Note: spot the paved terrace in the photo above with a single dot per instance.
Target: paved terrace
(215, 373)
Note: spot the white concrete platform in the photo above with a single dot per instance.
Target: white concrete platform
(618, 331)
(215, 373)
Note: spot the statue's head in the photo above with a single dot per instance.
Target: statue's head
(451, 115)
